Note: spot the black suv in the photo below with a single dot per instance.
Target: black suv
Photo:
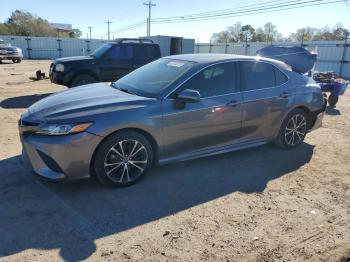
(107, 63)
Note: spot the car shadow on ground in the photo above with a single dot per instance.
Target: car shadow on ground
(332, 111)
(71, 216)
(22, 101)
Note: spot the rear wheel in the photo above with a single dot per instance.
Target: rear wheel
(333, 99)
(123, 159)
(293, 129)
(17, 60)
(82, 80)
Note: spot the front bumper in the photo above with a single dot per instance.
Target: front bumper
(10, 57)
(58, 78)
(59, 157)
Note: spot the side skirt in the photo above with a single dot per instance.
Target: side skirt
(213, 151)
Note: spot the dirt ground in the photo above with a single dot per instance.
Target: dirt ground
(261, 204)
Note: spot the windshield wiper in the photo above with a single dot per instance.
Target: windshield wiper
(122, 89)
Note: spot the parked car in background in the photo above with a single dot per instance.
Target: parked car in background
(109, 62)
(8, 52)
(173, 109)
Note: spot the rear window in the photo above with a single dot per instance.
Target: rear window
(146, 52)
(259, 75)
(256, 75)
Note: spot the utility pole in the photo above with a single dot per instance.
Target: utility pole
(90, 27)
(108, 23)
(150, 5)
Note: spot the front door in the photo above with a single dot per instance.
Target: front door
(116, 63)
(213, 121)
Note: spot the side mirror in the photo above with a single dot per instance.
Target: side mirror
(189, 96)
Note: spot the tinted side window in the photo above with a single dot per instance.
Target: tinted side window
(146, 52)
(256, 75)
(121, 52)
(280, 77)
(212, 81)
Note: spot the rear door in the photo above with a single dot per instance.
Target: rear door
(145, 53)
(117, 62)
(266, 98)
(213, 121)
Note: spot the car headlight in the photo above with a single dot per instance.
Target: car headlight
(59, 68)
(63, 129)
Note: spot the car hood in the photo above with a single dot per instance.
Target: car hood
(73, 58)
(83, 101)
(9, 48)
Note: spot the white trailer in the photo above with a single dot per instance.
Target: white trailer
(173, 45)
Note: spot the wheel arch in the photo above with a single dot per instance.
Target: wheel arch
(149, 136)
(302, 107)
(84, 72)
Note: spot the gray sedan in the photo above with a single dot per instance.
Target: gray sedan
(173, 109)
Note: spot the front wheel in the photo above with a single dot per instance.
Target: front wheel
(123, 159)
(17, 60)
(82, 80)
(293, 129)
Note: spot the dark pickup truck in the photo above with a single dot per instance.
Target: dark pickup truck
(107, 63)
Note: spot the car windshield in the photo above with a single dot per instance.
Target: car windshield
(101, 50)
(153, 78)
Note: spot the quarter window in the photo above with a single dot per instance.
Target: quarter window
(280, 77)
(213, 81)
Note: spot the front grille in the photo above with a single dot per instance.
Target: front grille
(27, 123)
(27, 128)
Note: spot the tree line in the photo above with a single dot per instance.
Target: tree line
(269, 33)
(26, 24)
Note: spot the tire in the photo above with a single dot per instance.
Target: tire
(333, 99)
(290, 135)
(17, 60)
(123, 159)
(82, 80)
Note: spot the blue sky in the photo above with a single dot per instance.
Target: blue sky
(84, 13)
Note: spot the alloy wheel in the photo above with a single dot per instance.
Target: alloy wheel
(295, 130)
(126, 161)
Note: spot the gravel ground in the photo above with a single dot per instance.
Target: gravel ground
(261, 204)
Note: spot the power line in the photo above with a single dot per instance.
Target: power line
(221, 11)
(131, 27)
(108, 23)
(248, 12)
(150, 5)
(239, 11)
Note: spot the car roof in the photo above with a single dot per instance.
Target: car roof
(214, 58)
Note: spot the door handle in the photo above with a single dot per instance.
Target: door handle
(285, 94)
(233, 103)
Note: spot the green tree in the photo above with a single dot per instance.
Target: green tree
(75, 33)
(247, 33)
(26, 24)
